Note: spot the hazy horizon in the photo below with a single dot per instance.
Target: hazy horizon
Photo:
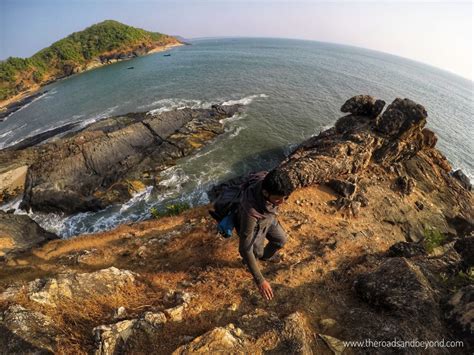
(435, 33)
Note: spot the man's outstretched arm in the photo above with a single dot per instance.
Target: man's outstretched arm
(246, 240)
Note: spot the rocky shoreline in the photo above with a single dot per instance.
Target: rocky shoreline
(108, 161)
(381, 247)
(13, 104)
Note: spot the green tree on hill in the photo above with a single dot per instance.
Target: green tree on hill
(73, 52)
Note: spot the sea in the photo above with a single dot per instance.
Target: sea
(290, 89)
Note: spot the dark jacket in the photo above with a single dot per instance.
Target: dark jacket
(255, 217)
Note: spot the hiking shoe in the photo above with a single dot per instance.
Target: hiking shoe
(275, 259)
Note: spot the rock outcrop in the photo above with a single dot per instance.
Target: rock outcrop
(356, 141)
(112, 159)
(70, 285)
(394, 143)
(25, 331)
(398, 285)
(19, 233)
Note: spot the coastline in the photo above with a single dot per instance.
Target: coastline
(33, 90)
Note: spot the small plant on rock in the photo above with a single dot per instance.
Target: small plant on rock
(170, 210)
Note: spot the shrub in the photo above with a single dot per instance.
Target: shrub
(433, 238)
(170, 210)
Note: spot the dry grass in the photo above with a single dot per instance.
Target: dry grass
(325, 252)
(74, 319)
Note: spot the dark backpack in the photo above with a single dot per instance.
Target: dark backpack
(225, 199)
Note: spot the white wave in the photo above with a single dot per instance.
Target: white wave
(165, 105)
(236, 132)
(51, 222)
(173, 177)
(238, 116)
(138, 197)
(104, 114)
(7, 133)
(25, 106)
(244, 101)
(13, 205)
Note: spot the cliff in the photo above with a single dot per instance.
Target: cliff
(380, 247)
(103, 43)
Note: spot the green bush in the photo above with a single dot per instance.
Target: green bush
(170, 210)
(75, 49)
(433, 238)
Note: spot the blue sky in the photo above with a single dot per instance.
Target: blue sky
(438, 33)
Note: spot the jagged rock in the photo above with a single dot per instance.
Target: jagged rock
(463, 179)
(405, 185)
(397, 285)
(406, 249)
(112, 338)
(461, 312)
(354, 143)
(72, 285)
(296, 335)
(465, 247)
(19, 233)
(363, 105)
(175, 314)
(343, 187)
(24, 331)
(400, 116)
(228, 340)
(104, 163)
(154, 319)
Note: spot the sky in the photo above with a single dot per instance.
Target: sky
(439, 33)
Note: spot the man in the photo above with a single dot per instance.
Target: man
(257, 220)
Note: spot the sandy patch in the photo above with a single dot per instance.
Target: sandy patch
(13, 179)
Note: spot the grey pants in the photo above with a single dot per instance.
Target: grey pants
(276, 237)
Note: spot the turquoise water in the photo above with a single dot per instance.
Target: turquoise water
(291, 90)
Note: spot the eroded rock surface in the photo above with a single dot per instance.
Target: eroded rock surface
(19, 233)
(112, 159)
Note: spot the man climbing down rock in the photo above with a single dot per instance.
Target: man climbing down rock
(256, 220)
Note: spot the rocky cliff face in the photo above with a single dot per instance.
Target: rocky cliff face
(380, 248)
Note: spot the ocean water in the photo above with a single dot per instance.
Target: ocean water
(291, 90)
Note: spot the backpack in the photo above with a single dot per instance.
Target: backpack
(225, 200)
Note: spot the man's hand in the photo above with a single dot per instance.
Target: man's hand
(266, 290)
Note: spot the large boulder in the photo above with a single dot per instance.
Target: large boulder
(296, 336)
(398, 285)
(114, 338)
(400, 116)
(19, 233)
(363, 105)
(27, 332)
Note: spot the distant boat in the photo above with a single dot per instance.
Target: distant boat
(131, 68)
(167, 55)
